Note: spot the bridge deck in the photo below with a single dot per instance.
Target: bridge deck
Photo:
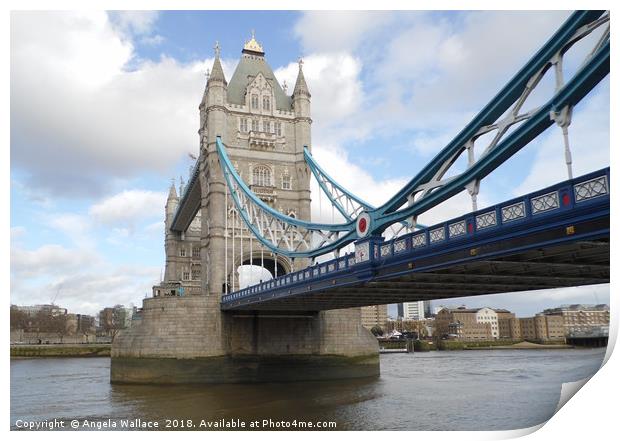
(558, 237)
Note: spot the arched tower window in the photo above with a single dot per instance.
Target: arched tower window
(254, 100)
(266, 103)
(261, 176)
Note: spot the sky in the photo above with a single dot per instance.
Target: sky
(104, 113)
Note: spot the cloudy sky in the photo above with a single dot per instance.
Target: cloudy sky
(104, 111)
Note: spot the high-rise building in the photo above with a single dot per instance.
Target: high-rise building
(413, 310)
(400, 310)
(428, 311)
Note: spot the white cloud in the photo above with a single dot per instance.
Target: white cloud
(76, 107)
(74, 226)
(339, 30)
(155, 40)
(335, 84)
(49, 260)
(17, 232)
(91, 289)
(137, 22)
(128, 207)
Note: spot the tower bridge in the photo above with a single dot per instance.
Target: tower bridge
(248, 202)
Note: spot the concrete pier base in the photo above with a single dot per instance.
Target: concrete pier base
(189, 340)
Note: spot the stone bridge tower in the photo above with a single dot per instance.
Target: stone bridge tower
(187, 338)
(265, 132)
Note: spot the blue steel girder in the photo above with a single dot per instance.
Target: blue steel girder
(427, 185)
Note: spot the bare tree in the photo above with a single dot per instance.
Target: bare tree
(19, 319)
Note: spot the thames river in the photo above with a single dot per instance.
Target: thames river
(460, 390)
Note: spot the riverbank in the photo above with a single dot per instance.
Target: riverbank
(61, 350)
(525, 345)
(452, 345)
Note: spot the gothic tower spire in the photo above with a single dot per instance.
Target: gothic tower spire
(217, 73)
(301, 88)
(172, 193)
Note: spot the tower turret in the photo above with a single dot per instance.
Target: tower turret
(215, 94)
(172, 239)
(301, 94)
(172, 202)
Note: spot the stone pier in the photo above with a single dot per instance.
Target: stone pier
(184, 340)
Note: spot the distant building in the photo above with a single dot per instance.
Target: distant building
(85, 324)
(467, 323)
(53, 310)
(436, 309)
(581, 318)
(114, 318)
(71, 324)
(375, 315)
(542, 328)
(508, 325)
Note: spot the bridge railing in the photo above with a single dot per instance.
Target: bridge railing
(533, 208)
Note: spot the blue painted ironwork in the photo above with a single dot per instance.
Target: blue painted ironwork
(412, 247)
(348, 204)
(352, 205)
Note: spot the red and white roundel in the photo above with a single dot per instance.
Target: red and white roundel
(363, 225)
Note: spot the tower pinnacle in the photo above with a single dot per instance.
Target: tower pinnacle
(301, 88)
(217, 73)
(252, 46)
(172, 194)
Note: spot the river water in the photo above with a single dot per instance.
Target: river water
(460, 390)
